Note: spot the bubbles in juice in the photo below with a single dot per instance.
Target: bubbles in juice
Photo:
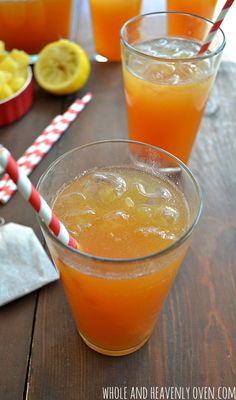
(122, 212)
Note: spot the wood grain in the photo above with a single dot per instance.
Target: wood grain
(16, 324)
(194, 342)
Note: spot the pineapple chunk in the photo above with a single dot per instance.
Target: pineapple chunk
(22, 73)
(5, 77)
(13, 71)
(2, 47)
(2, 56)
(16, 83)
(20, 57)
(5, 91)
(8, 64)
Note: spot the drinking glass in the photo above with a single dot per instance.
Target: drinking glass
(107, 20)
(116, 301)
(31, 24)
(166, 83)
(203, 8)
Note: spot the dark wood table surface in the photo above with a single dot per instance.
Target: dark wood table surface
(194, 342)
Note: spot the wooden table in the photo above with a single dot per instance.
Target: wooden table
(194, 343)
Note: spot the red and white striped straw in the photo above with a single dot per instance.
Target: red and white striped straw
(41, 146)
(29, 192)
(215, 27)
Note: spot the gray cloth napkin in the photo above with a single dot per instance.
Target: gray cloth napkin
(24, 265)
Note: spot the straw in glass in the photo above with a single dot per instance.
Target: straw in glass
(215, 27)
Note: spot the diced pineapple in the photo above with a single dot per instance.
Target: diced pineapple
(2, 56)
(13, 71)
(2, 50)
(22, 73)
(5, 91)
(20, 57)
(16, 83)
(2, 47)
(8, 64)
(5, 77)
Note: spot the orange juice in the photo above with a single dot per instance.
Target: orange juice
(120, 213)
(165, 100)
(107, 20)
(116, 314)
(204, 8)
(31, 24)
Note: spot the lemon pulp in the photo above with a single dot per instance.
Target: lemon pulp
(62, 67)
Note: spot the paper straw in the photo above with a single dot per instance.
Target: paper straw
(22, 162)
(41, 146)
(29, 192)
(215, 26)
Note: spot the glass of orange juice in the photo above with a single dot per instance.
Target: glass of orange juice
(166, 83)
(132, 209)
(30, 24)
(204, 8)
(107, 20)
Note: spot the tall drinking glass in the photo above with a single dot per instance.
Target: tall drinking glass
(166, 83)
(107, 20)
(31, 24)
(203, 8)
(132, 209)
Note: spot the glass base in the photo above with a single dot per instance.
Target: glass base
(113, 353)
(33, 58)
(100, 59)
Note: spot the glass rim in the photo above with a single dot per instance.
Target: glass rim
(160, 253)
(202, 56)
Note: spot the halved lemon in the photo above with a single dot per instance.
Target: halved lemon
(62, 67)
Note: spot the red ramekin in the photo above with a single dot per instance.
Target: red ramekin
(18, 104)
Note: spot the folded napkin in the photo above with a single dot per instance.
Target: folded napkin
(24, 265)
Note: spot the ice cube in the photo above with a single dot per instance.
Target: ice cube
(145, 211)
(69, 199)
(76, 229)
(82, 227)
(116, 215)
(106, 185)
(163, 42)
(171, 213)
(165, 194)
(78, 216)
(152, 195)
(86, 212)
(129, 202)
(85, 225)
(160, 72)
(153, 230)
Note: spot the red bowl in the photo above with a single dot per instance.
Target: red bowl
(18, 104)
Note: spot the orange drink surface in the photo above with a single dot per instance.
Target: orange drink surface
(165, 99)
(30, 24)
(120, 213)
(204, 8)
(107, 20)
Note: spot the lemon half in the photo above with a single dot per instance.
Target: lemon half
(62, 67)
